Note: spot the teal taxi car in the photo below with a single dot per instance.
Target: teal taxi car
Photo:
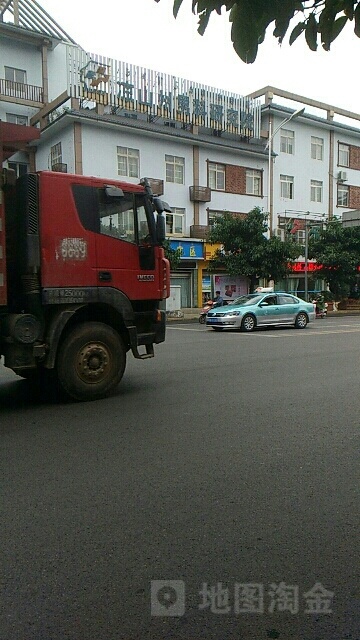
(248, 312)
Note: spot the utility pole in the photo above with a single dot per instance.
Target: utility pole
(306, 259)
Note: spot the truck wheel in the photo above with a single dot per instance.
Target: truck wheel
(91, 361)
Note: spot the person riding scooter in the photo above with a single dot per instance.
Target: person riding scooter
(211, 304)
(320, 306)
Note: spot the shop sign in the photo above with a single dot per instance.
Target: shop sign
(210, 250)
(300, 266)
(189, 249)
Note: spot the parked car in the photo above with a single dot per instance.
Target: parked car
(262, 309)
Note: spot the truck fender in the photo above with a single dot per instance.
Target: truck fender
(54, 331)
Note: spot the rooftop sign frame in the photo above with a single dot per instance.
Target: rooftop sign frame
(129, 90)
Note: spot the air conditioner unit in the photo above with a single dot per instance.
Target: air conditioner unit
(280, 233)
(59, 166)
(342, 176)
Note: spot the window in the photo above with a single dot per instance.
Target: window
(287, 187)
(344, 155)
(287, 140)
(300, 236)
(216, 176)
(316, 191)
(343, 195)
(284, 299)
(214, 216)
(175, 222)
(317, 148)
(20, 168)
(128, 161)
(56, 154)
(123, 217)
(253, 182)
(16, 119)
(117, 217)
(15, 75)
(175, 169)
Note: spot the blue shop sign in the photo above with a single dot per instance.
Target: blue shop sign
(190, 250)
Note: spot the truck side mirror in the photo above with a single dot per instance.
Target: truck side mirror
(160, 228)
(161, 205)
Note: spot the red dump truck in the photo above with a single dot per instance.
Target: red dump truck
(82, 278)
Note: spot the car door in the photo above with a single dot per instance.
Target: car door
(288, 308)
(268, 310)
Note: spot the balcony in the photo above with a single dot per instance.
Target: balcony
(200, 194)
(20, 91)
(199, 231)
(157, 186)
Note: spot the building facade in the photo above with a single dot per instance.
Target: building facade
(207, 150)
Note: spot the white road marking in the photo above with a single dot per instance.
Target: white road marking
(320, 332)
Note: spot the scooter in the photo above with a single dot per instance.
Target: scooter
(209, 305)
(320, 309)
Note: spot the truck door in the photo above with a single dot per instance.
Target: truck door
(125, 246)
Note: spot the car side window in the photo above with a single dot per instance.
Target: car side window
(270, 300)
(287, 300)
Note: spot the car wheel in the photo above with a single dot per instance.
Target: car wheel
(202, 319)
(301, 321)
(248, 323)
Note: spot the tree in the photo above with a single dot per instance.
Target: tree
(319, 20)
(247, 252)
(173, 255)
(337, 250)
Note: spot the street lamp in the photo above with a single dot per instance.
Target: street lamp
(268, 147)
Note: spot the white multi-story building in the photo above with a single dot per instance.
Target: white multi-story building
(209, 151)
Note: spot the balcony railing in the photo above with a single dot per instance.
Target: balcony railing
(200, 194)
(9, 89)
(199, 231)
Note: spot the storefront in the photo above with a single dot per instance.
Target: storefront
(296, 283)
(186, 276)
(209, 283)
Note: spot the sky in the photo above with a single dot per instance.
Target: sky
(145, 33)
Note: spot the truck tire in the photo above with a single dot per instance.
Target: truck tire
(91, 361)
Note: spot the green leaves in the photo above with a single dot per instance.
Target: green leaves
(357, 21)
(250, 20)
(244, 33)
(311, 32)
(176, 7)
(247, 251)
(173, 255)
(337, 249)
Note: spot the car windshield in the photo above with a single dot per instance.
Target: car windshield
(252, 298)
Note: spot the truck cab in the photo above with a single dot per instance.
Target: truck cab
(83, 258)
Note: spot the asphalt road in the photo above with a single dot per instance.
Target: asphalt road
(229, 464)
